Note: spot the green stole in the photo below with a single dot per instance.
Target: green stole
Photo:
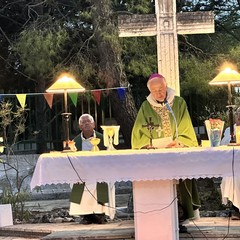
(78, 188)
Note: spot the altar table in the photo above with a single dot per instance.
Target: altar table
(153, 173)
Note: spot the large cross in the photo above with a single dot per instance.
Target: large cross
(166, 24)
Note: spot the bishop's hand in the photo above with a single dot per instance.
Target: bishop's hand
(149, 146)
(175, 144)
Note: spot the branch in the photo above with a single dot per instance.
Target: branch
(6, 36)
(21, 73)
(228, 31)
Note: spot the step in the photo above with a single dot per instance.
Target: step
(110, 234)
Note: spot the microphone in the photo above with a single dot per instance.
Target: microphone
(173, 115)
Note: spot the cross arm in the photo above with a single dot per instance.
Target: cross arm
(146, 25)
(195, 22)
(137, 25)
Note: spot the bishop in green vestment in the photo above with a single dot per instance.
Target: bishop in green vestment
(170, 117)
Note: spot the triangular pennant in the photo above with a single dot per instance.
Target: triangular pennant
(22, 99)
(121, 93)
(49, 98)
(74, 97)
(97, 95)
(88, 96)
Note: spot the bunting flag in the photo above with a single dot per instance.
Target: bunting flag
(97, 96)
(49, 98)
(22, 99)
(121, 93)
(89, 94)
(74, 97)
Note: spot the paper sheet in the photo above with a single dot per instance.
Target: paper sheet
(161, 142)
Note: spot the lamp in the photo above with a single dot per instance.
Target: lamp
(65, 84)
(229, 77)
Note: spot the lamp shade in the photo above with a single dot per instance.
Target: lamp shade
(225, 77)
(65, 84)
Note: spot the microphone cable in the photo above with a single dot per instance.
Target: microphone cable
(111, 207)
(82, 182)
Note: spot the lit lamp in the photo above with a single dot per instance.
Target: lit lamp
(65, 84)
(229, 77)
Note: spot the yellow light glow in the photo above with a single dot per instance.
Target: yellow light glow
(65, 83)
(226, 76)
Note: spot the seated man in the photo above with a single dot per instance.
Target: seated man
(85, 197)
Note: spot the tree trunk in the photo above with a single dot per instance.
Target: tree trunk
(40, 119)
(125, 114)
(110, 71)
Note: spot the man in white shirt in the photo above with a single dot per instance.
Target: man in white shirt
(85, 196)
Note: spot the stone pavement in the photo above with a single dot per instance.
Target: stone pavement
(205, 228)
(121, 228)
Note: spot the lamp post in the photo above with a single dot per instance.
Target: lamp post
(229, 77)
(65, 84)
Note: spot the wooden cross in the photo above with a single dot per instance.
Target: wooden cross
(166, 24)
(150, 126)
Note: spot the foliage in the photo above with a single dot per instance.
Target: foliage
(17, 201)
(40, 49)
(138, 57)
(12, 123)
(12, 177)
(137, 6)
(65, 36)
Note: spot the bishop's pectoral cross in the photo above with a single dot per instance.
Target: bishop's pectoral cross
(150, 126)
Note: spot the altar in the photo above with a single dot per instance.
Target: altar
(153, 173)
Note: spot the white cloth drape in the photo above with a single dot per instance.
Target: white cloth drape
(136, 165)
(89, 203)
(231, 190)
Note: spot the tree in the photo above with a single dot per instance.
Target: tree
(110, 67)
(43, 50)
(87, 45)
(39, 50)
(13, 191)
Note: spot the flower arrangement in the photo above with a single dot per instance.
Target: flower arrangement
(214, 130)
(216, 123)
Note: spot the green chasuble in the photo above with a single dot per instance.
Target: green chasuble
(186, 133)
(161, 116)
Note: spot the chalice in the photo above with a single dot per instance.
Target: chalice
(110, 136)
(110, 133)
(95, 141)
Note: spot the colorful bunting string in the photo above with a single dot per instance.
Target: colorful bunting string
(22, 99)
(74, 97)
(49, 98)
(96, 93)
(121, 93)
(97, 96)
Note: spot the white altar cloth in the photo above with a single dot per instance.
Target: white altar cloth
(136, 165)
(230, 189)
(152, 172)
